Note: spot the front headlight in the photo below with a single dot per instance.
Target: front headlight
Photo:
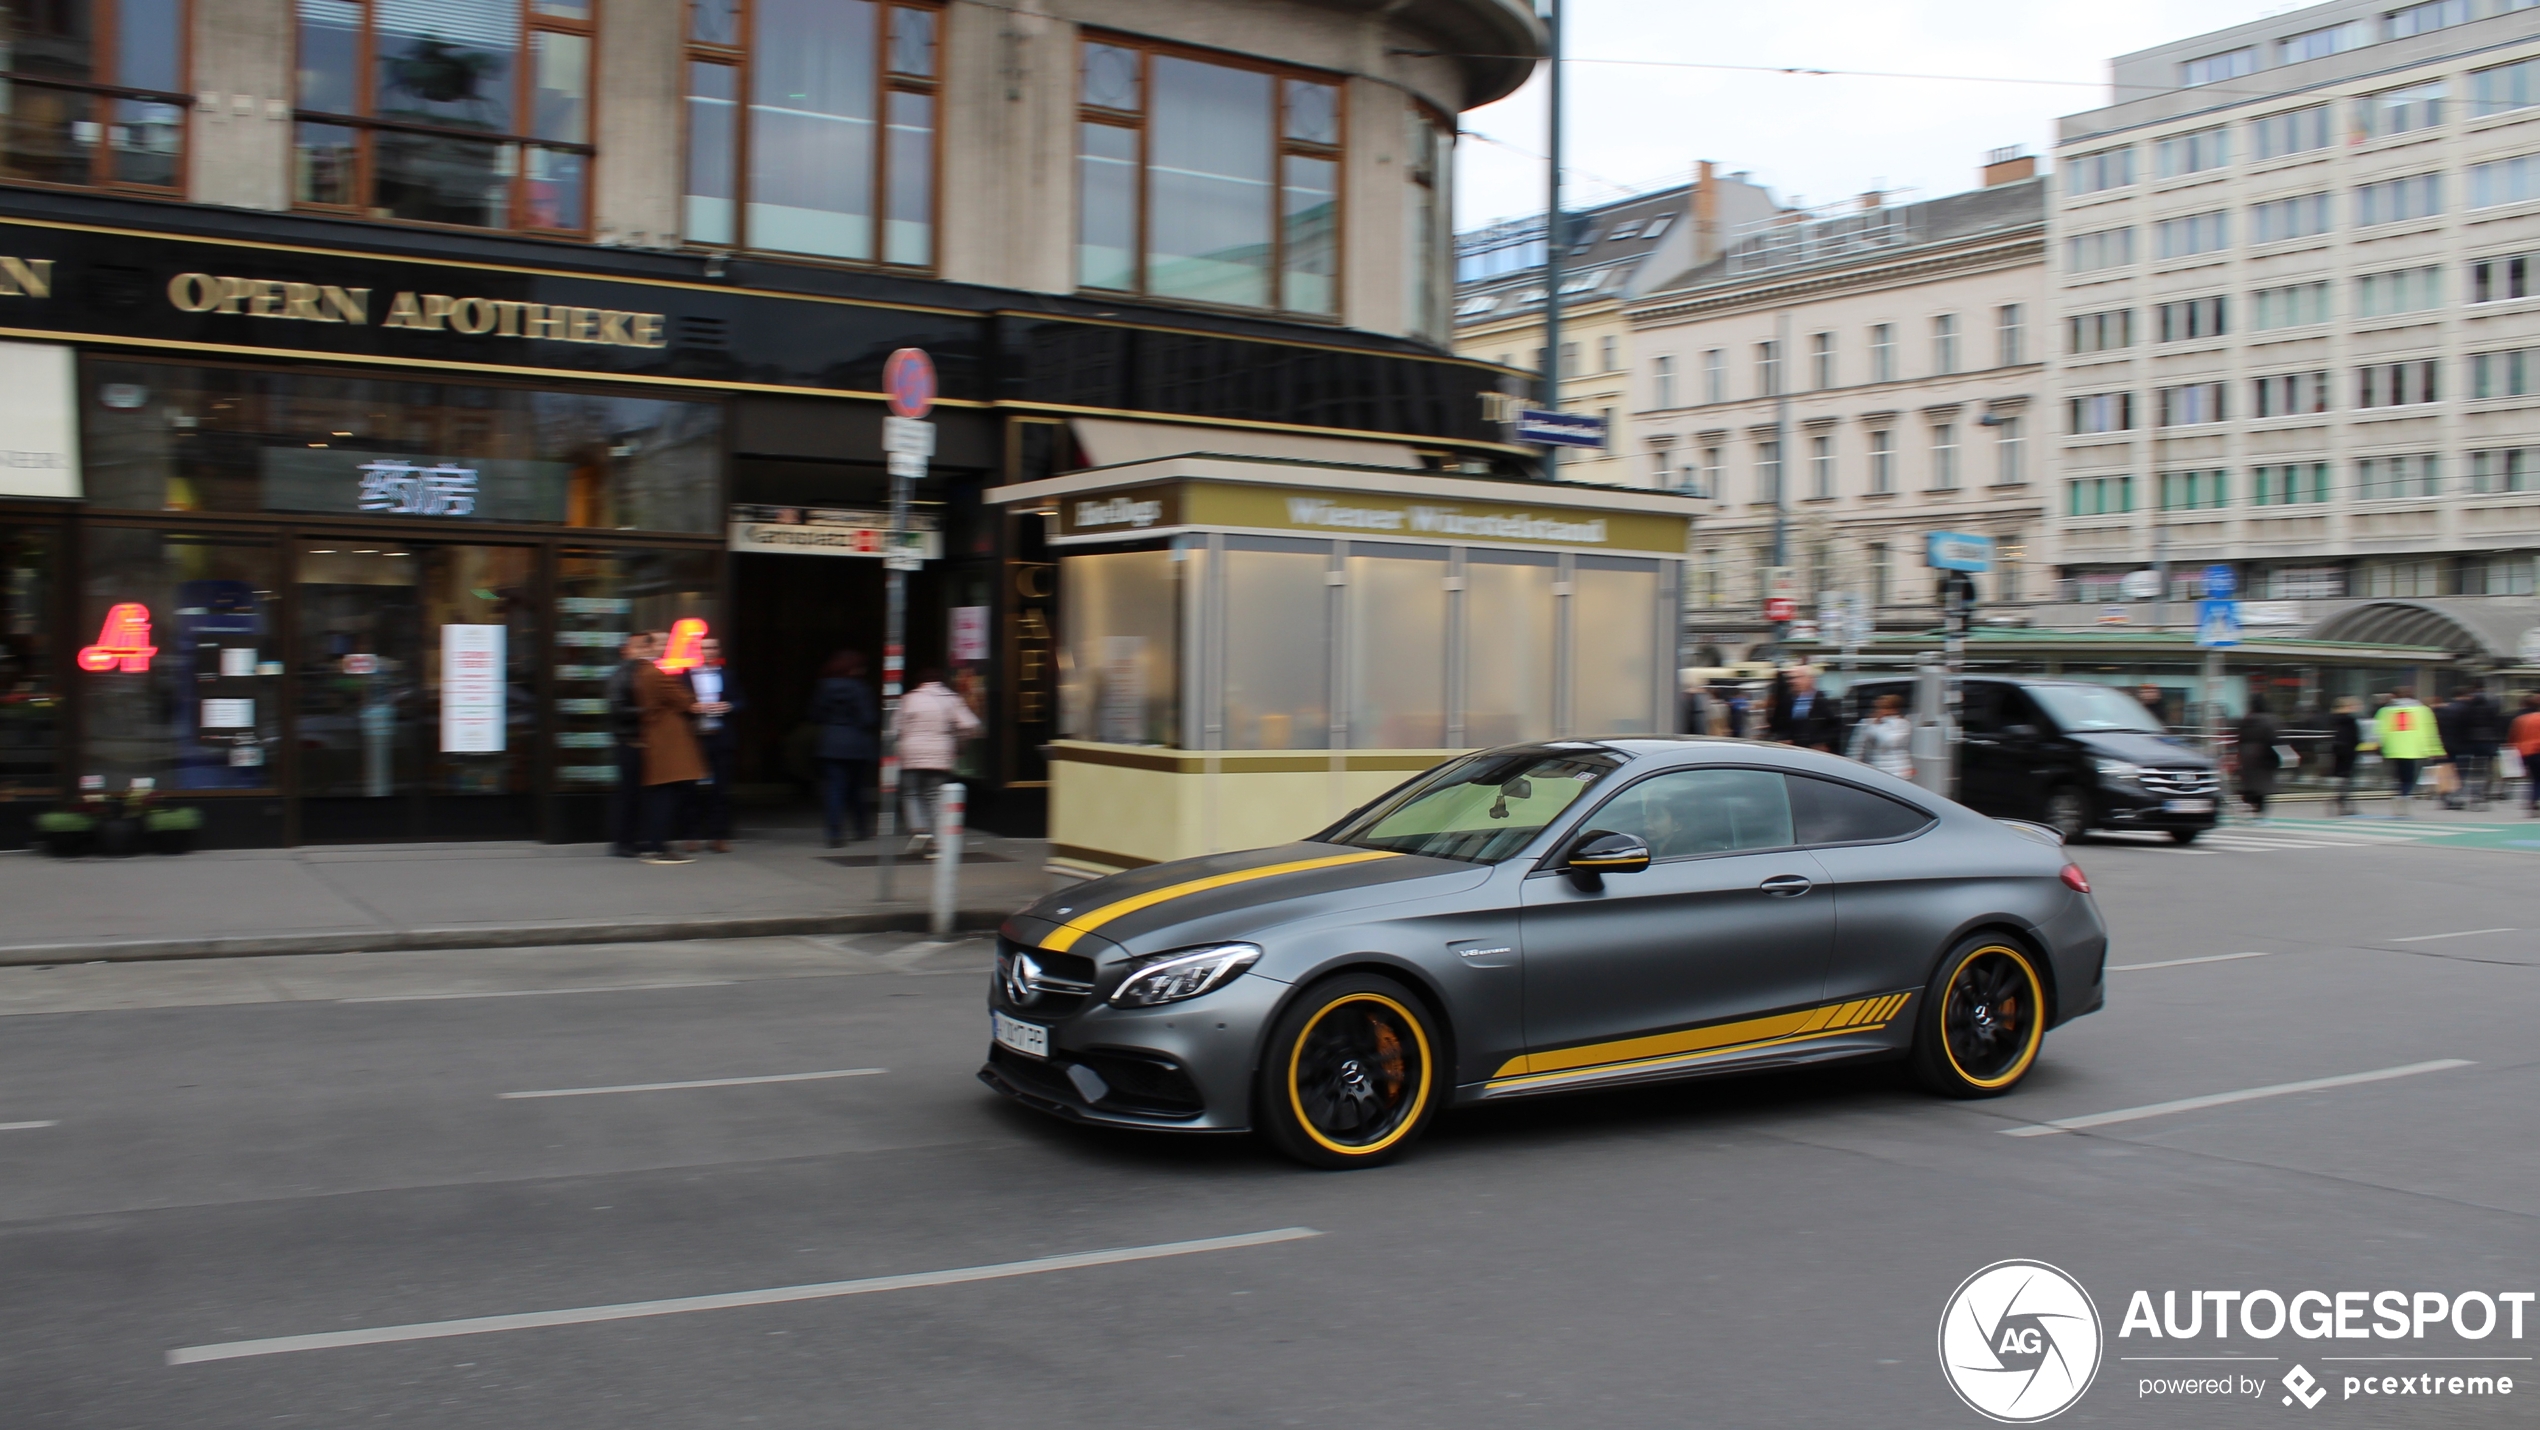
(1184, 973)
(2117, 771)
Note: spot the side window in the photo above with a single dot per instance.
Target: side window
(1831, 813)
(1692, 812)
(1980, 707)
(2018, 709)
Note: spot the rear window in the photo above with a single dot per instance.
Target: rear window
(1831, 813)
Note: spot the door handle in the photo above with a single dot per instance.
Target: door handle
(1786, 886)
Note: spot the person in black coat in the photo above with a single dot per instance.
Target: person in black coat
(719, 703)
(2258, 734)
(850, 745)
(1802, 715)
(2345, 748)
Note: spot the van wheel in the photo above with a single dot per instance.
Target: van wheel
(2184, 836)
(2068, 809)
(1982, 1020)
(1351, 1076)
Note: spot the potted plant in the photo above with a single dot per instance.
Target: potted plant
(171, 829)
(66, 833)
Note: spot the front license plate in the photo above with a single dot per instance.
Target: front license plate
(2187, 806)
(1030, 1039)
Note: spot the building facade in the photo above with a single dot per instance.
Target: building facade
(2294, 302)
(371, 370)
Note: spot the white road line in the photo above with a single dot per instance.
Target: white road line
(25, 1126)
(632, 1310)
(702, 1082)
(2218, 1099)
(2183, 962)
(2431, 937)
(534, 992)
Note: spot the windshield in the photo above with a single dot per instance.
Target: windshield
(2083, 708)
(1481, 809)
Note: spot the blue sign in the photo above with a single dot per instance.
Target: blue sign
(1958, 551)
(1560, 429)
(2217, 622)
(2221, 582)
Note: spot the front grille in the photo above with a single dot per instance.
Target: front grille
(1140, 1083)
(1065, 984)
(2180, 781)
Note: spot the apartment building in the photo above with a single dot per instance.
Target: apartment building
(2296, 312)
(1906, 339)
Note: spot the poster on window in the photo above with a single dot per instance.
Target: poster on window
(471, 690)
(39, 421)
(1124, 690)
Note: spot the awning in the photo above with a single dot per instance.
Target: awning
(2481, 629)
(1111, 443)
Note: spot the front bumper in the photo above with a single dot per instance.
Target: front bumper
(1182, 1067)
(2123, 808)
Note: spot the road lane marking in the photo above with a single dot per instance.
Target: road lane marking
(533, 992)
(25, 1126)
(2431, 937)
(2219, 1099)
(701, 1082)
(633, 1310)
(2183, 962)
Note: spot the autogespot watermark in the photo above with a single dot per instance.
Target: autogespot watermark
(2020, 1341)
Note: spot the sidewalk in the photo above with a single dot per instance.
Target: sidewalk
(341, 899)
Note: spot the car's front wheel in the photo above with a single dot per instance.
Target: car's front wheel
(1982, 1020)
(1351, 1075)
(2068, 809)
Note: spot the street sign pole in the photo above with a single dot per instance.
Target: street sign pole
(907, 441)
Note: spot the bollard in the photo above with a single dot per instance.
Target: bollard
(951, 809)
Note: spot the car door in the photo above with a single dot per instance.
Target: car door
(1988, 767)
(1728, 922)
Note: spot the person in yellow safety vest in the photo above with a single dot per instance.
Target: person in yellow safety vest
(2408, 740)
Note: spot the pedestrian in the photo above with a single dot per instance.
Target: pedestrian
(1885, 741)
(2482, 723)
(2258, 732)
(1801, 716)
(2405, 731)
(2451, 726)
(672, 762)
(2150, 695)
(2345, 750)
(626, 727)
(1738, 707)
(718, 738)
(849, 719)
(929, 730)
(1694, 710)
(2524, 736)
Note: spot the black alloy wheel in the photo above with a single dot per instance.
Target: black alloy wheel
(1982, 1020)
(1350, 1077)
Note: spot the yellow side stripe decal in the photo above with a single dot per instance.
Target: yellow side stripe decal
(1808, 1022)
(1076, 928)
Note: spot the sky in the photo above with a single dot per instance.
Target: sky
(1819, 139)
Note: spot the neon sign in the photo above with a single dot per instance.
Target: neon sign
(686, 650)
(123, 643)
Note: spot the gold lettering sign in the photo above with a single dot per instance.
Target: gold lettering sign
(431, 312)
(26, 277)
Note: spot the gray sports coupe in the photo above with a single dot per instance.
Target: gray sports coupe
(1548, 918)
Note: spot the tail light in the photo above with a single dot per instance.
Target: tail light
(2076, 880)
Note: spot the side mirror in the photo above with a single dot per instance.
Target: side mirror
(1599, 853)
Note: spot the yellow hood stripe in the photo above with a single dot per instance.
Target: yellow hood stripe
(1076, 928)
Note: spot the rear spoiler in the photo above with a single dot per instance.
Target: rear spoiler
(2045, 834)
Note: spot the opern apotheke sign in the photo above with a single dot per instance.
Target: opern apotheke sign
(428, 312)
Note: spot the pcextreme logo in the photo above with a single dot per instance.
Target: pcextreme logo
(2019, 1342)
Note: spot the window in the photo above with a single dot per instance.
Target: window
(1768, 369)
(2397, 200)
(1944, 457)
(2193, 234)
(1944, 343)
(2504, 181)
(1821, 360)
(2097, 173)
(1714, 475)
(1220, 183)
(2395, 384)
(2191, 318)
(2230, 64)
(1656, 226)
(2288, 393)
(1821, 466)
(2304, 583)
(2010, 452)
(1880, 570)
(1569, 361)
(2402, 290)
(1685, 814)
(2098, 496)
(2506, 374)
(2010, 334)
(1768, 473)
(2189, 403)
(2289, 484)
(1882, 461)
(2509, 575)
(2432, 15)
(2295, 131)
(2506, 87)
(94, 92)
(2498, 280)
(2322, 42)
(2101, 332)
(1883, 352)
(2103, 412)
(2302, 216)
(2417, 474)
(2194, 491)
(1829, 813)
(1715, 375)
(2091, 252)
(1609, 354)
(2402, 578)
(2509, 469)
(2399, 111)
(471, 112)
(1309, 266)
(2291, 306)
(2193, 153)
(1663, 374)
(1477, 305)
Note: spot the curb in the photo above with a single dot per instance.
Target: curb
(912, 920)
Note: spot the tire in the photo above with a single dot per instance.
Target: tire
(1982, 1021)
(2184, 836)
(2068, 809)
(1352, 1075)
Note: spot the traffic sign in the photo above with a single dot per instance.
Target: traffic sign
(2221, 582)
(908, 375)
(2217, 622)
(908, 436)
(1560, 429)
(1958, 551)
(1780, 608)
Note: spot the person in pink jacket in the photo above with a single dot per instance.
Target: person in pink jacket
(931, 724)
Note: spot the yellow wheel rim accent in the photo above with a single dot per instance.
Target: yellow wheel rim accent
(2036, 1022)
(1419, 1096)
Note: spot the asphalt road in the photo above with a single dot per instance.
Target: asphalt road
(233, 1152)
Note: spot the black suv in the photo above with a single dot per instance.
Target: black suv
(2072, 754)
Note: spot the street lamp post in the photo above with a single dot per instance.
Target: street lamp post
(1552, 241)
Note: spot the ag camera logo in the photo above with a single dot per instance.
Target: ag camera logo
(2019, 1342)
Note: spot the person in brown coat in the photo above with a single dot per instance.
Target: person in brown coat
(673, 763)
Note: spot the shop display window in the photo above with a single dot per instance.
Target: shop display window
(1508, 635)
(1120, 672)
(1277, 645)
(602, 595)
(30, 691)
(1397, 647)
(179, 668)
(1614, 644)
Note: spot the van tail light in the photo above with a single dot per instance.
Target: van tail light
(2076, 880)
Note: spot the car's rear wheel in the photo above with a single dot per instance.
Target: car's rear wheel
(1982, 1020)
(2184, 836)
(1351, 1075)
(2068, 809)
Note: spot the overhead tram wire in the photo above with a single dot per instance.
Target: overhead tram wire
(2220, 87)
